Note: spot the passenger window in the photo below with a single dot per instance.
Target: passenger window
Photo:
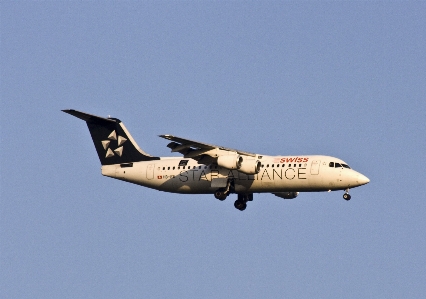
(337, 165)
(300, 165)
(267, 165)
(263, 165)
(168, 168)
(164, 168)
(283, 165)
(294, 165)
(178, 167)
(173, 168)
(272, 165)
(199, 167)
(331, 164)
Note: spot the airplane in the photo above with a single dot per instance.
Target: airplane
(211, 169)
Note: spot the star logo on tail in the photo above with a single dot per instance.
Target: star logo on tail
(106, 143)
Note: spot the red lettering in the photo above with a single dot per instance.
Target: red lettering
(296, 159)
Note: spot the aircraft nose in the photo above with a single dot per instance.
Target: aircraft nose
(362, 179)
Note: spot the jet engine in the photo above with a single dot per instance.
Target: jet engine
(286, 195)
(250, 165)
(230, 161)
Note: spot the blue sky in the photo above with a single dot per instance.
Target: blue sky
(345, 79)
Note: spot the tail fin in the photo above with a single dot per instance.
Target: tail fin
(112, 141)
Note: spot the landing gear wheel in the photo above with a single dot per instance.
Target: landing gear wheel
(346, 196)
(220, 194)
(240, 205)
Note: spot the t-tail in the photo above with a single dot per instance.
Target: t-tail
(112, 141)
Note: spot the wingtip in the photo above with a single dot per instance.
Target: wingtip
(165, 136)
(68, 110)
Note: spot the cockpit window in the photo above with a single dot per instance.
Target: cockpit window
(337, 165)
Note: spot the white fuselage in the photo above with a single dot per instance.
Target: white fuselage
(277, 174)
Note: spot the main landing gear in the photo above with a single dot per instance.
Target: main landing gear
(347, 196)
(222, 193)
(241, 202)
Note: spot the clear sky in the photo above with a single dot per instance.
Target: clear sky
(345, 79)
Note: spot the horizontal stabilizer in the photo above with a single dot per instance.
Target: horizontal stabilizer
(91, 118)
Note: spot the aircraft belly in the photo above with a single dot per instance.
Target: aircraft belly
(199, 187)
(316, 182)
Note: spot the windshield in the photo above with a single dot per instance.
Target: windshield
(338, 165)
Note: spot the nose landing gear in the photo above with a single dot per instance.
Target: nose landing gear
(347, 196)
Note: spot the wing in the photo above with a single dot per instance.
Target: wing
(198, 150)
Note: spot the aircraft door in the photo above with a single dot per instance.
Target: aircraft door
(315, 167)
(150, 171)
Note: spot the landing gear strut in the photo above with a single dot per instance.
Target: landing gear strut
(241, 202)
(222, 193)
(346, 196)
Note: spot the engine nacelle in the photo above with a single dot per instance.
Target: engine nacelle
(230, 161)
(287, 195)
(250, 165)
